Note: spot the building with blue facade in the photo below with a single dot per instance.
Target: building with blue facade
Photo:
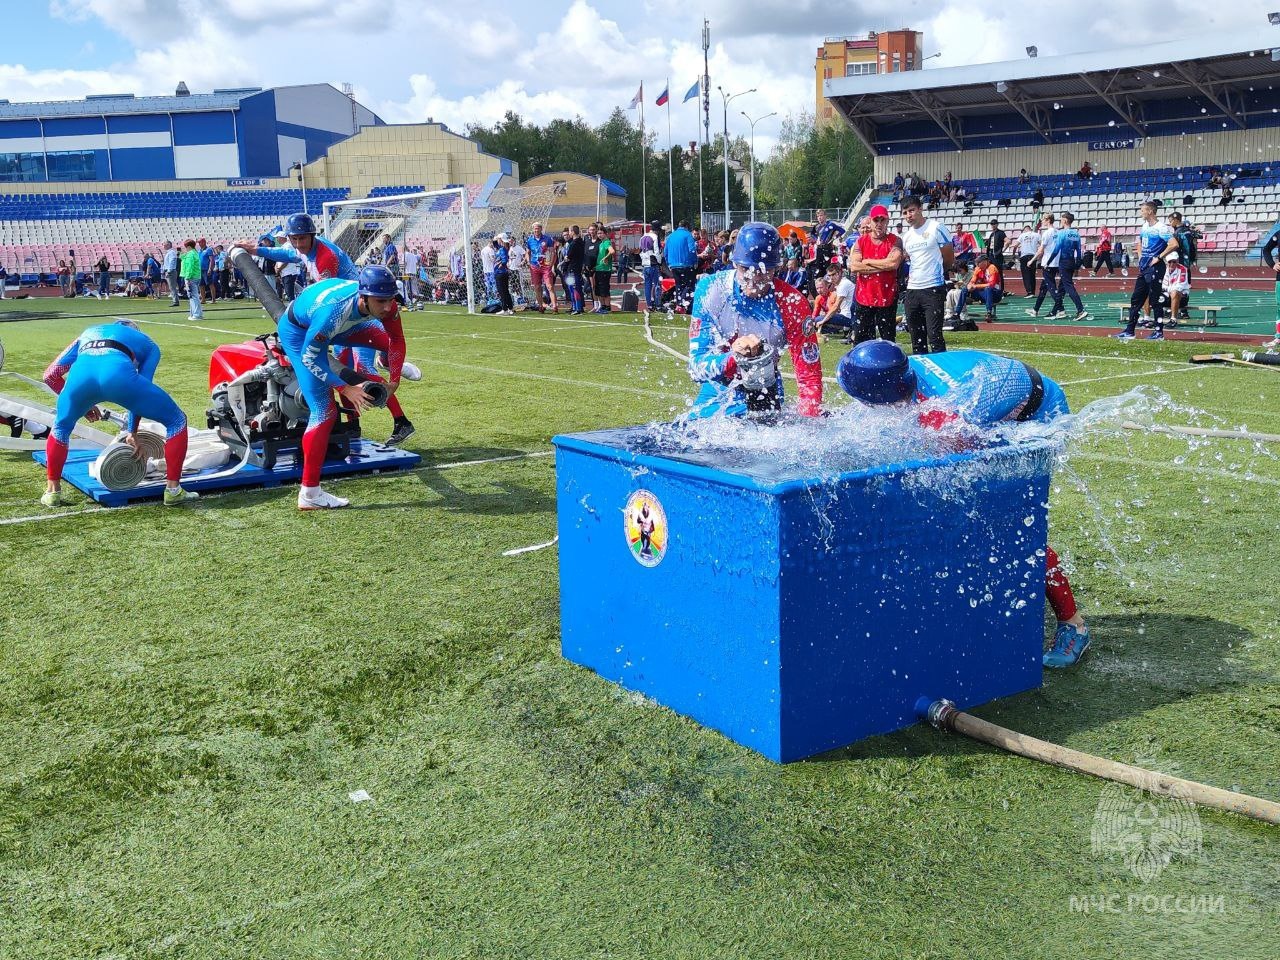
(226, 134)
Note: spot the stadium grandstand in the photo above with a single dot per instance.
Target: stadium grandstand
(1153, 122)
(116, 176)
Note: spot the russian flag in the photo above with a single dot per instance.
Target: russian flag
(662, 97)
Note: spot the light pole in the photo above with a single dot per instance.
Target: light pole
(752, 155)
(727, 98)
(302, 179)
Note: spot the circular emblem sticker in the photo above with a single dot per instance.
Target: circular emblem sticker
(645, 524)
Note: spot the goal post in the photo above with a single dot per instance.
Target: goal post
(447, 229)
(434, 224)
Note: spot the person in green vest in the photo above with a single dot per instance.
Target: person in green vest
(190, 273)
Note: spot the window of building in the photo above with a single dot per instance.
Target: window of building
(910, 60)
(897, 63)
(21, 167)
(859, 69)
(72, 165)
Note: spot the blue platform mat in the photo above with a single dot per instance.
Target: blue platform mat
(366, 457)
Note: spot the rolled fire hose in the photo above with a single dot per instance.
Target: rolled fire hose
(119, 468)
(944, 716)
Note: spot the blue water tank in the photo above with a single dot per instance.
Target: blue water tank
(798, 615)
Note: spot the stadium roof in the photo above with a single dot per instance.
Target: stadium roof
(1213, 76)
(97, 106)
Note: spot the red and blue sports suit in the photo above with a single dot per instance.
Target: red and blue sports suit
(722, 313)
(112, 362)
(324, 316)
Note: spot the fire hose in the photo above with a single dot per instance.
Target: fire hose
(943, 715)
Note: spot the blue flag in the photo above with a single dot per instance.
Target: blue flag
(693, 91)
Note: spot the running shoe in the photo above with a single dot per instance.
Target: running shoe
(321, 500)
(1031, 313)
(1122, 335)
(1156, 336)
(52, 498)
(1058, 315)
(1069, 645)
(402, 432)
(1082, 315)
(175, 498)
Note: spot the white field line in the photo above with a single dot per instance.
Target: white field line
(533, 549)
(1122, 376)
(1087, 356)
(553, 379)
(431, 467)
(561, 345)
(1178, 468)
(190, 326)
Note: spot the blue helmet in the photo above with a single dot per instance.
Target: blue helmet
(758, 246)
(299, 223)
(377, 281)
(877, 371)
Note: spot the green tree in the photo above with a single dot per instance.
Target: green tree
(813, 166)
(613, 150)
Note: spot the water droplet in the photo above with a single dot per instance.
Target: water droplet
(1029, 521)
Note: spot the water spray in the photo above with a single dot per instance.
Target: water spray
(943, 715)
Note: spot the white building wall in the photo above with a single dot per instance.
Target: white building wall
(206, 160)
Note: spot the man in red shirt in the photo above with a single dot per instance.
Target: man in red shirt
(1102, 253)
(874, 260)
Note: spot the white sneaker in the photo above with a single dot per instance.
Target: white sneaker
(1272, 344)
(320, 500)
(408, 371)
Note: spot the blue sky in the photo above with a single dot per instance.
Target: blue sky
(414, 59)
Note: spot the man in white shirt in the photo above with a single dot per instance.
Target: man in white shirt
(486, 265)
(410, 275)
(1047, 256)
(839, 313)
(929, 250)
(1028, 244)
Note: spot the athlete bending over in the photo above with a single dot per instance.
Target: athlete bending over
(336, 313)
(113, 362)
(981, 389)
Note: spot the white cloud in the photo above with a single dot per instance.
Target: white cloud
(486, 107)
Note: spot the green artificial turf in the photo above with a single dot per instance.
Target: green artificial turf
(188, 698)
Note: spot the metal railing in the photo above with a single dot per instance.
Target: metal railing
(714, 219)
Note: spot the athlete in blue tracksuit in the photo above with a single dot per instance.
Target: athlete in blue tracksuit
(1155, 242)
(328, 314)
(981, 389)
(112, 362)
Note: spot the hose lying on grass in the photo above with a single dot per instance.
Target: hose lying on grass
(1204, 432)
(943, 715)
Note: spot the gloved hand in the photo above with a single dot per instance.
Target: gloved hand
(760, 372)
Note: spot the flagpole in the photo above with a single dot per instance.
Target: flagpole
(644, 157)
(671, 183)
(701, 201)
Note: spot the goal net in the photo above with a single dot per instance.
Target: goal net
(440, 234)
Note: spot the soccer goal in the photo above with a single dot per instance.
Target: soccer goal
(445, 229)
